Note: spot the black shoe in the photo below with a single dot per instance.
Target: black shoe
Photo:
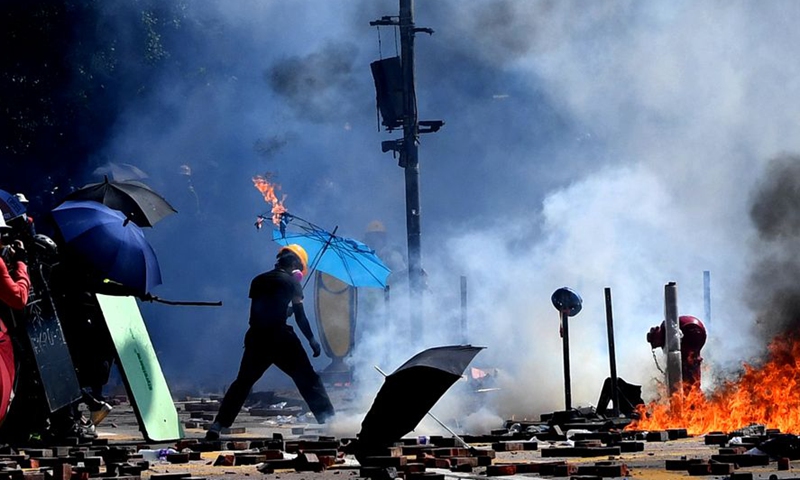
(213, 431)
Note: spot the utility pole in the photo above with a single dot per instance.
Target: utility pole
(408, 149)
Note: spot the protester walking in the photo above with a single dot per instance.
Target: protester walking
(269, 340)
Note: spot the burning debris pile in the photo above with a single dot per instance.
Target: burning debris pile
(765, 395)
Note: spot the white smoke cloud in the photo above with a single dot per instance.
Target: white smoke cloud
(586, 145)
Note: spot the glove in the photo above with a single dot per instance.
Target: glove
(315, 347)
(18, 253)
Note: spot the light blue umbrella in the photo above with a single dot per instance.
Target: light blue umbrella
(349, 260)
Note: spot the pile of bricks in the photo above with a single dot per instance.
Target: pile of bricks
(72, 462)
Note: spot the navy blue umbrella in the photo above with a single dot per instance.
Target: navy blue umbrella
(109, 242)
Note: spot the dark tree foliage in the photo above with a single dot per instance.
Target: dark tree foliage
(69, 67)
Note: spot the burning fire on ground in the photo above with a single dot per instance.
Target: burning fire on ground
(767, 395)
(268, 190)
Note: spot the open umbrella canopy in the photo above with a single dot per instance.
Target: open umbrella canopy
(410, 392)
(109, 242)
(349, 260)
(10, 205)
(120, 171)
(136, 200)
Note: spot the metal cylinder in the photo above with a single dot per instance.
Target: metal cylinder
(565, 342)
(673, 338)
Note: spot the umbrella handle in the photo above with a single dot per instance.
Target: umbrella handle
(318, 257)
(455, 435)
(153, 298)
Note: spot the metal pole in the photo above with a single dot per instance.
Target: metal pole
(565, 342)
(463, 309)
(707, 297)
(612, 356)
(673, 339)
(411, 161)
(387, 304)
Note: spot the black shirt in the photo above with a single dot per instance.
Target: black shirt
(271, 293)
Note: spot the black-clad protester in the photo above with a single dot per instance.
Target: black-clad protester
(269, 340)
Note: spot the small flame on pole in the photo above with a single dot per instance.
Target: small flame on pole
(268, 190)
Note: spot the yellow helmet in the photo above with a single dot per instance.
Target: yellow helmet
(300, 252)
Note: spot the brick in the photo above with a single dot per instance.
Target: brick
(433, 462)
(717, 438)
(308, 462)
(658, 436)
(248, 459)
(501, 470)
(677, 433)
(699, 469)
(450, 452)
(384, 461)
(177, 457)
(629, 446)
(783, 463)
(225, 461)
(722, 468)
(270, 454)
(682, 464)
(743, 460)
(457, 461)
(741, 476)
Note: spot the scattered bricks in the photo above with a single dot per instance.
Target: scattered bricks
(501, 470)
(414, 467)
(743, 460)
(433, 462)
(384, 461)
(628, 446)
(458, 461)
(677, 433)
(682, 464)
(248, 459)
(225, 461)
(270, 454)
(612, 470)
(33, 475)
(604, 437)
(699, 469)
(589, 442)
(177, 457)
(558, 470)
(581, 452)
(450, 452)
(378, 473)
(239, 445)
(425, 476)
(742, 476)
(327, 461)
(416, 449)
(716, 438)
(308, 462)
(659, 436)
(202, 407)
(722, 468)
(783, 463)
(38, 452)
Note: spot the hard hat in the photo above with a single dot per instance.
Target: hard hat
(376, 226)
(300, 252)
(3, 222)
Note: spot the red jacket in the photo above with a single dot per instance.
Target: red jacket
(14, 291)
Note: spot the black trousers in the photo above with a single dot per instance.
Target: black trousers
(280, 346)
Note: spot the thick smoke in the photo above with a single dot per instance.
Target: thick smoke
(585, 145)
(774, 294)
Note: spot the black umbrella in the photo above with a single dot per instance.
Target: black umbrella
(135, 200)
(409, 393)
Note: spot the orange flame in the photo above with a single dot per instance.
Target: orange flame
(767, 395)
(268, 189)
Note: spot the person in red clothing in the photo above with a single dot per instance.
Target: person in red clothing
(14, 288)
